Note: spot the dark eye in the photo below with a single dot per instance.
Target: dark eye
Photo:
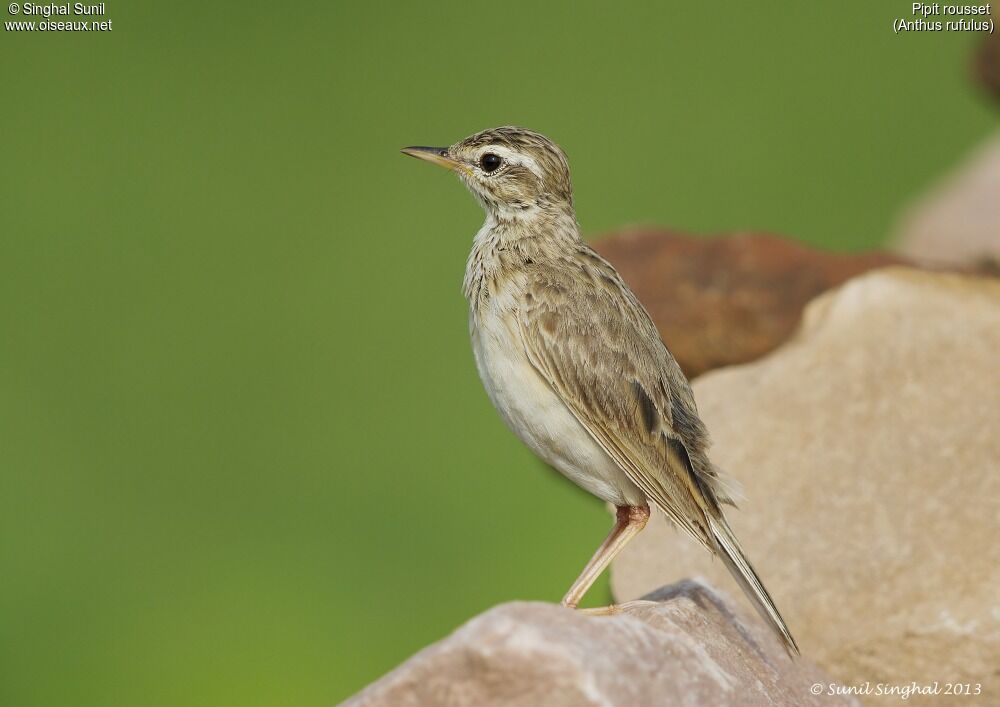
(490, 162)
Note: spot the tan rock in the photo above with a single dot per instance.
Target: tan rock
(689, 647)
(958, 221)
(869, 449)
(725, 300)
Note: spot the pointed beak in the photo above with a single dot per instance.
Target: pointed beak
(434, 155)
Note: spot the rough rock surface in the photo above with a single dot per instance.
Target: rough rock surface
(869, 451)
(720, 301)
(958, 221)
(688, 647)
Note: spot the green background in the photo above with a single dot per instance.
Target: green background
(244, 454)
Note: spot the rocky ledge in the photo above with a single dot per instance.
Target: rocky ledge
(683, 645)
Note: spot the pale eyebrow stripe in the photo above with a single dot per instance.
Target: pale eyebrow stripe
(514, 158)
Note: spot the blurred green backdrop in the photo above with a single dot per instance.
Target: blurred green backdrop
(244, 454)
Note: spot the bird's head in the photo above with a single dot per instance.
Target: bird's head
(515, 173)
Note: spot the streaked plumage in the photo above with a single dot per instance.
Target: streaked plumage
(572, 362)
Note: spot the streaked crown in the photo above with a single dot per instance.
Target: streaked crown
(515, 167)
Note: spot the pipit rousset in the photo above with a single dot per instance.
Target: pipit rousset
(573, 364)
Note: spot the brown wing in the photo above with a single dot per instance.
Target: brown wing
(588, 336)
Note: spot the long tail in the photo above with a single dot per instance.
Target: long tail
(737, 563)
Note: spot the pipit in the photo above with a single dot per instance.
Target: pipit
(573, 363)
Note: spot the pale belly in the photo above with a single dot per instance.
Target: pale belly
(538, 416)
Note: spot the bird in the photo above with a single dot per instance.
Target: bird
(574, 365)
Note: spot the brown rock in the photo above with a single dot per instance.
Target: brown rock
(958, 221)
(869, 450)
(987, 63)
(721, 301)
(688, 647)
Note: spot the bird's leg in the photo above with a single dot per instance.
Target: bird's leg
(629, 520)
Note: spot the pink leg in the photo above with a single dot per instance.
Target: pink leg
(629, 521)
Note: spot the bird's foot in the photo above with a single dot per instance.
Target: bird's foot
(608, 610)
(612, 609)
